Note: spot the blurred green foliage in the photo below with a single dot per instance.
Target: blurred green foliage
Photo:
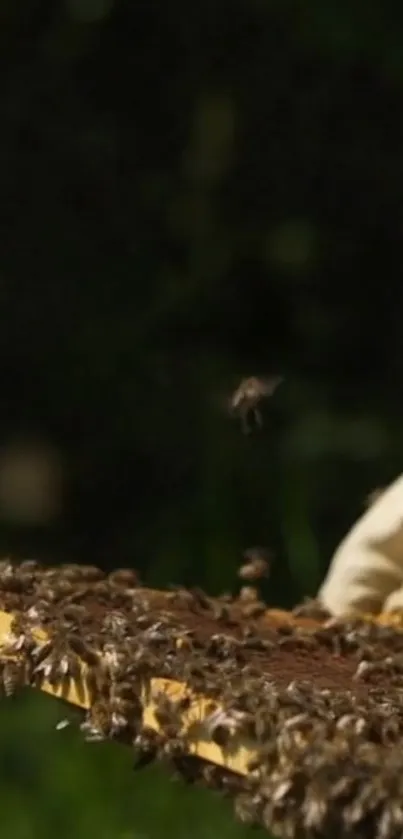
(53, 784)
(190, 193)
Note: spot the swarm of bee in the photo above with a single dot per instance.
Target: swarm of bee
(318, 706)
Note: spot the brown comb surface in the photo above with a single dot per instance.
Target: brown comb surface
(299, 717)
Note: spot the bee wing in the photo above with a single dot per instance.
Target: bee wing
(271, 383)
(223, 399)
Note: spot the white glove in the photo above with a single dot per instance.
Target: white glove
(394, 603)
(367, 567)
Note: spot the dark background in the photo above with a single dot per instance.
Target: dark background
(191, 193)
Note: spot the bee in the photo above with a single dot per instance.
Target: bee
(115, 623)
(168, 712)
(112, 717)
(90, 573)
(248, 808)
(126, 715)
(248, 594)
(124, 578)
(254, 609)
(101, 589)
(67, 571)
(6, 570)
(64, 589)
(75, 614)
(112, 658)
(125, 691)
(19, 577)
(200, 599)
(31, 566)
(257, 564)
(223, 645)
(185, 641)
(181, 597)
(82, 650)
(10, 601)
(311, 608)
(58, 660)
(12, 580)
(97, 724)
(172, 748)
(45, 591)
(14, 675)
(247, 397)
(38, 613)
(215, 776)
(62, 724)
(220, 611)
(221, 725)
(146, 744)
(20, 638)
(315, 807)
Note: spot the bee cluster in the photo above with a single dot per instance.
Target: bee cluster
(317, 704)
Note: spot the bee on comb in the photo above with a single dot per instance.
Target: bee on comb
(256, 564)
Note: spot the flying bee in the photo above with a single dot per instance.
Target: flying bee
(257, 564)
(248, 396)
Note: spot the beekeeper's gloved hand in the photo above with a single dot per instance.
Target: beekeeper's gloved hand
(367, 567)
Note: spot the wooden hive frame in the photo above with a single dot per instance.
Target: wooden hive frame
(77, 693)
(239, 754)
